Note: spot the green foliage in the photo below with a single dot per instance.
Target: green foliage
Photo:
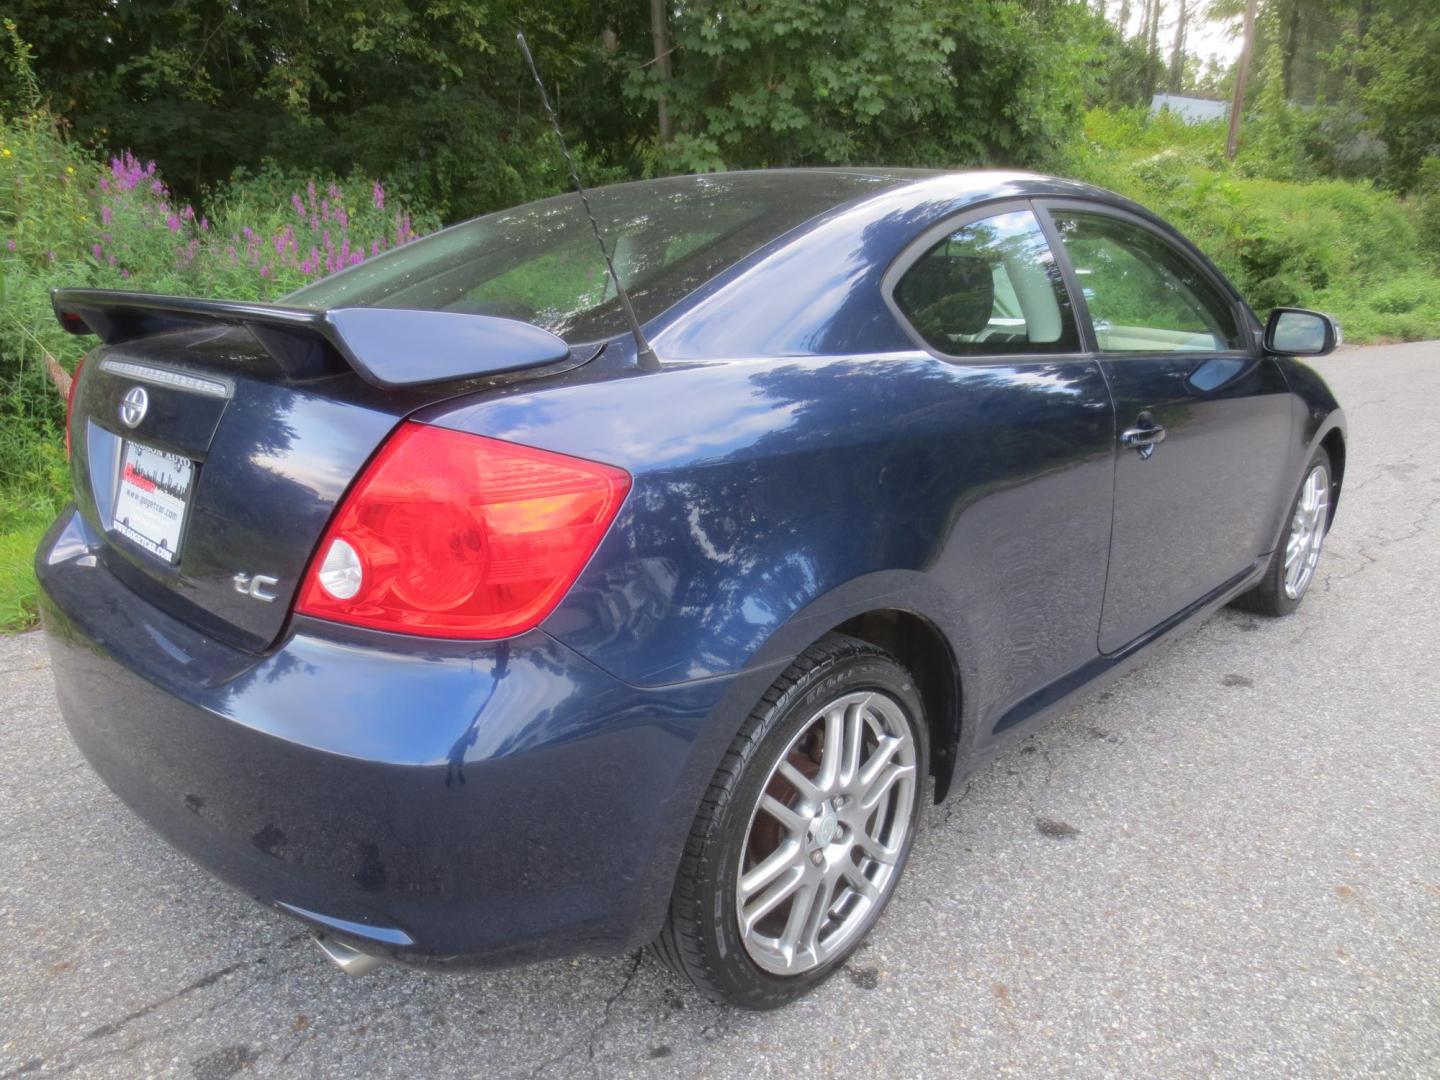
(1346, 247)
(795, 82)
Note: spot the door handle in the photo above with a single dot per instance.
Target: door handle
(1142, 436)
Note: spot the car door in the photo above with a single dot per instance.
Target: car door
(1203, 417)
(1021, 470)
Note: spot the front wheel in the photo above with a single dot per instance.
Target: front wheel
(1292, 566)
(804, 831)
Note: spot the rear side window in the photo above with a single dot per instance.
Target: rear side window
(539, 262)
(1143, 294)
(990, 288)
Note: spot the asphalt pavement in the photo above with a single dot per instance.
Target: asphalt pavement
(1228, 864)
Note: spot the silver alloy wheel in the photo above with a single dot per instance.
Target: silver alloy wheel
(826, 834)
(1307, 532)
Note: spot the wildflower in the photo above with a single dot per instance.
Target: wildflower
(299, 205)
(69, 170)
(124, 273)
(97, 251)
(188, 213)
(105, 215)
(5, 152)
(157, 187)
(9, 245)
(50, 255)
(374, 247)
(172, 223)
(377, 194)
(265, 271)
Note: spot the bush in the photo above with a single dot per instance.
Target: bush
(68, 217)
(1343, 246)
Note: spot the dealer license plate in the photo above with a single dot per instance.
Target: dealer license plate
(154, 491)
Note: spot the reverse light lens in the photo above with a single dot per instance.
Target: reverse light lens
(453, 535)
(340, 574)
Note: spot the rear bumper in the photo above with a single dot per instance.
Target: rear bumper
(432, 802)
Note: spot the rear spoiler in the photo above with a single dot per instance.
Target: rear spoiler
(388, 347)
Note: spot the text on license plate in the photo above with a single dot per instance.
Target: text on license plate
(150, 505)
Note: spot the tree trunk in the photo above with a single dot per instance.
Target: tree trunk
(1177, 55)
(1291, 43)
(1232, 138)
(1152, 57)
(1124, 20)
(660, 35)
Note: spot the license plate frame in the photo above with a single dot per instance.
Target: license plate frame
(152, 499)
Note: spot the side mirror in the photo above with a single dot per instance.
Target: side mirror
(1297, 332)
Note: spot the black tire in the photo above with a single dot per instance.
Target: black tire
(1270, 598)
(701, 940)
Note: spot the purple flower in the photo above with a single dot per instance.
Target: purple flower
(105, 215)
(310, 190)
(377, 194)
(334, 190)
(50, 255)
(157, 187)
(374, 247)
(9, 245)
(124, 273)
(204, 225)
(265, 271)
(298, 204)
(97, 251)
(172, 223)
(188, 213)
(246, 232)
(343, 218)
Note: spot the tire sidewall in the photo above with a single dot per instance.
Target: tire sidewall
(1284, 603)
(780, 724)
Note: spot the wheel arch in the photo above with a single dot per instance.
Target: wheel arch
(1333, 442)
(924, 651)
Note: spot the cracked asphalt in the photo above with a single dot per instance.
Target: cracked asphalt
(1226, 864)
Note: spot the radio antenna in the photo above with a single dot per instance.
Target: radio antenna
(645, 356)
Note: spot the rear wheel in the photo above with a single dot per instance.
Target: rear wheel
(1292, 566)
(804, 831)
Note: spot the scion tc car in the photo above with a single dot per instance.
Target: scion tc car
(427, 608)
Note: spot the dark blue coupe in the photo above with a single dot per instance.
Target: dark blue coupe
(433, 610)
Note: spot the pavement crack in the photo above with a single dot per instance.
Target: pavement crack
(594, 1034)
(145, 1010)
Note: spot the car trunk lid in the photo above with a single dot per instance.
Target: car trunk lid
(212, 442)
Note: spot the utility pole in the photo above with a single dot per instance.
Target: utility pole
(660, 35)
(1232, 138)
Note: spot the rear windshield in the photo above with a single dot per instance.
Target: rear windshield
(539, 263)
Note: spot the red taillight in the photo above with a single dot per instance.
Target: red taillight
(70, 402)
(460, 536)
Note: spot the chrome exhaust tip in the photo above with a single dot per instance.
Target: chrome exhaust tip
(347, 958)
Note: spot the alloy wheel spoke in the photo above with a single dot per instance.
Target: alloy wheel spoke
(795, 924)
(820, 905)
(785, 857)
(809, 793)
(794, 823)
(854, 741)
(773, 897)
(881, 785)
(872, 847)
(833, 749)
